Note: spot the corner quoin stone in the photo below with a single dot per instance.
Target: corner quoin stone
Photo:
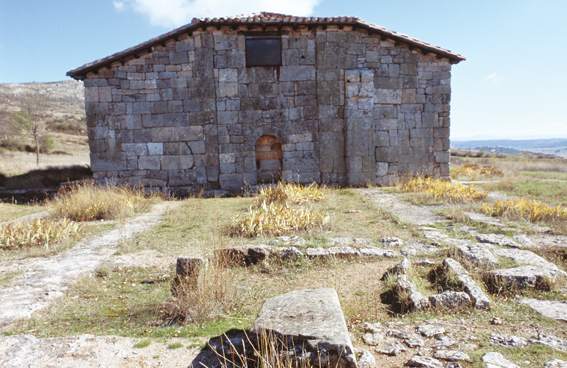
(314, 315)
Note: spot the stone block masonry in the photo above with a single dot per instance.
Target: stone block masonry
(345, 107)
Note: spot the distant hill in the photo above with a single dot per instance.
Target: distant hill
(64, 103)
(555, 146)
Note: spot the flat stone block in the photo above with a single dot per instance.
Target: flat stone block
(314, 317)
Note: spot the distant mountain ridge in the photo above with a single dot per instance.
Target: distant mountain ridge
(551, 146)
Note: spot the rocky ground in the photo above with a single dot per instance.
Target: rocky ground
(480, 293)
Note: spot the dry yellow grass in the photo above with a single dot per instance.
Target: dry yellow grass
(475, 171)
(527, 209)
(281, 210)
(39, 233)
(276, 219)
(291, 193)
(87, 202)
(442, 190)
(211, 297)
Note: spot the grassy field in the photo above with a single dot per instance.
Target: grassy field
(137, 302)
(11, 211)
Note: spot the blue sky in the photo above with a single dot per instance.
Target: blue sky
(513, 84)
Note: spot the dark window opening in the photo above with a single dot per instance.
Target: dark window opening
(263, 51)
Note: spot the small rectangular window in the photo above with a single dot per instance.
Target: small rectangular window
(263, 51)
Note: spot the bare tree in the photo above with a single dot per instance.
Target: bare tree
(29, 120)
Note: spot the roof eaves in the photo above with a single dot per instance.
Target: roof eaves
(257, 19)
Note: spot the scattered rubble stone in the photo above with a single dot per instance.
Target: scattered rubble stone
(553, 342)
(430, 329)
(314, 315)
(373, 327)
(497, 360)
(424, 362)
(477, 295)
(401, 268)
(477, 253)
(349, 241)
(497, 239)
(521, 277)
(527, 257)
(548, 308)
(496, 321)
(508, 341)
(366, 360)
(247, 255)
(452, 355)
(415, 300)
(479, 217)
(417, 248)
(372, 339)
(392, 241)
(414, 342)
(393, 348)
(556, 363)
(293, 240)
(450, 300)
(444, 342)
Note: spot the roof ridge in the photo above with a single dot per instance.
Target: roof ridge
(267, 18)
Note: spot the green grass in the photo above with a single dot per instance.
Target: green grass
(175, 345)
(199, 225)
(9, 211)
(143, 344)
(553, 192)
(124, 302)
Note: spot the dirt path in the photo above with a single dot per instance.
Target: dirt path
(406, 212)
(90, 351)
(44, 279)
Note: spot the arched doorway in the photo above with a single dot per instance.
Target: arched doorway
(268, 159)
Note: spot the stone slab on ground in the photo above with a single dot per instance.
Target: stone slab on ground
(478, 296)
(522, 277)
(497, 360)
(415, 299)
(314, 315)
(87, 351)
(47, 278)
(476, 253)
(527, 257)
(548, 308)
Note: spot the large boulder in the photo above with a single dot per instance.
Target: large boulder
(313, 319)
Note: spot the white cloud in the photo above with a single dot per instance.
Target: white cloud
(493, 78)
(172, 13)
(118, 5)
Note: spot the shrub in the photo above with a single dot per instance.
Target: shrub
(39, 233)
(212, 296)
(275, 219)
(291, 193)
(474, 171)
(87, 202)
(442, 190)
(527, 209)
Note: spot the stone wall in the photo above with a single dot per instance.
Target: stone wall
(348, 107)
